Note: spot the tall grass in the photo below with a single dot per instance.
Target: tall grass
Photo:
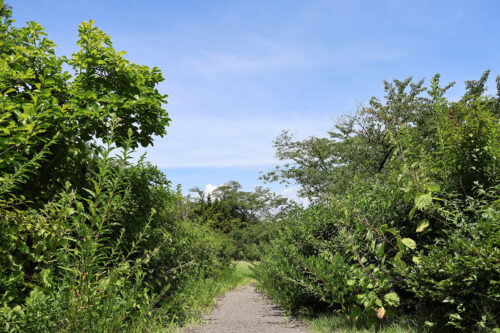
(343, 324)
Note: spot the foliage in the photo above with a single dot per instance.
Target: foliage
(404, 217)
(407, 218)
(244, 216)
(359, 146)
(41, 101)
(342, 324)
(66, 254)
(101, 240)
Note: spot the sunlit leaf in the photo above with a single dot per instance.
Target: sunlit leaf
(422, 225)
(423, 200)
(410, 243)
(381, 313)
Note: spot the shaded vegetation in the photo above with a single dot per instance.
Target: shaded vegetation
(248, 219)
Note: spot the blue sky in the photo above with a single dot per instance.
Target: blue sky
(239, 72)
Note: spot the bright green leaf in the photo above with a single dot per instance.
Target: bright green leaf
(433, 187)
(379, 250)
(392, 299)
(410, 243)
(422, 225)
(423, 200)
(412, 212)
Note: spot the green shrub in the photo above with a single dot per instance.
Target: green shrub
(70, 255)
(88, 241)
(418, 236)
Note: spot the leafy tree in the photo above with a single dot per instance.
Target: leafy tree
(406, 220)
(359, 146)
(248, 218)
(43, 103)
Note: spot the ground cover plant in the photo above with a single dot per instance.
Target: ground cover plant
(404, 219)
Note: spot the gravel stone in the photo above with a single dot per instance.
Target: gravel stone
(244, 310)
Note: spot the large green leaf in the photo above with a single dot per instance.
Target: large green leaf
(410, 243)
(423, 200)
(392, 299)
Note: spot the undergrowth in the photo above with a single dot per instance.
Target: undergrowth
(405, 220)
(342, 324)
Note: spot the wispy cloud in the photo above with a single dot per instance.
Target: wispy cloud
(238, 72)
(224, 142)
(271, 56)
(262, 56)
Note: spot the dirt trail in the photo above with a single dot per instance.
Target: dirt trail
(244, 310)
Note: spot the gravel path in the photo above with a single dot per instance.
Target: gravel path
(244, 310)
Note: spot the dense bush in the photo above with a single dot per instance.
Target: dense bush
(80, 255)
(415, 226)
(89, 241)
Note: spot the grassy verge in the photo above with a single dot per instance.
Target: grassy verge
(342, 324)
(243, 273)
(199, 295)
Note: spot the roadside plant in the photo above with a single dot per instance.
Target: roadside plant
(411, 229)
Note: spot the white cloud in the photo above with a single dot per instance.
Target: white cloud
(216, 63)
(224, 142)
(291, 192)
(209, 188)
(258, 55)
(268, 56)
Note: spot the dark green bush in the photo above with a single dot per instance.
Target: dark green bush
(81, 255)
(89, 242)
(418, 236)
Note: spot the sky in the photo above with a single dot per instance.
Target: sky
(239, 72)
